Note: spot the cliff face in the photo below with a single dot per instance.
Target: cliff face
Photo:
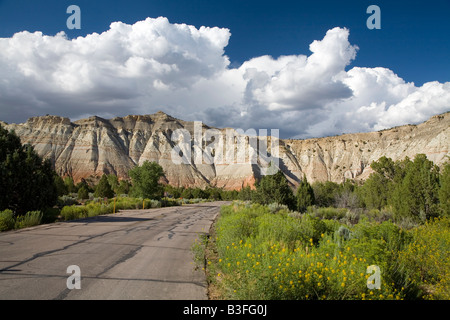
(349, 156)
(90, 147)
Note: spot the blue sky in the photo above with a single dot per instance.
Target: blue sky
(413, 43)
(414, 39)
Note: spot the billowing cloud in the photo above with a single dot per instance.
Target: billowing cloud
(382, 100)
(300, 82)
(183, 70)
(123, 67)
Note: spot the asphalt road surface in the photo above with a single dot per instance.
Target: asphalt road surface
(133, 254)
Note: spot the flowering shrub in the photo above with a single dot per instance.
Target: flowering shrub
(261, 255)
(427, 258)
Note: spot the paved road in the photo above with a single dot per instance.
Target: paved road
(134, 254)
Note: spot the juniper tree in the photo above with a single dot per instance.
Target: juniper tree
(27, 182)
(103, 188)
(146, 180)
(274, 188)
(444, 191)
(305, 195)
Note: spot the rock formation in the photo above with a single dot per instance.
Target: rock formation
(90, 147)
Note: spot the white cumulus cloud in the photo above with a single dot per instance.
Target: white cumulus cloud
(155, 65)
(301, 82)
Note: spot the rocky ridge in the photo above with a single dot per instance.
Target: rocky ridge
(90, 147)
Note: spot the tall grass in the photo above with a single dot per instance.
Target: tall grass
(8, 221)
(98, 207)
(31, 218)
(91, 208)
(427, 258)
(262, 255)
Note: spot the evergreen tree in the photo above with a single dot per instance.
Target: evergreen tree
(82, 184)
(305, 195)
(198, 193)
(275, 188)
(379, 187)
(103, 188)
(61, 188)
(375, 191)
(68, 181)
(385, 167)
(113, 182)
(325, 193)
(124, 187)
(230, 194)
(414, 192)
(186, 193)
(27, 182)
(145, 180)
(214, 193)
(417, 194)
(173, 191)
(410, 188)
(83, 193)
(246, 194)
(444, 191)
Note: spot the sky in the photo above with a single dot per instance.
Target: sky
(307, 68)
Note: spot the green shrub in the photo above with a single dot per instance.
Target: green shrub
(327, 213)
(26, 180)
(426, 259)
(311, 228)
(157, 204)
(274, 188)
(272, 263)
(304, 195)
(83, 193)
(417, 194)
(74, 212)
(31, 218)
(66, 200)
(444, 191)
(279, 256)
(275, 207)
(343, 233)
(350, 218)
(382, 215)
(280, 228)
(325, 193)
(146, 180)
(125, 203)
(7, 220)
(50, 215)
(96, 209)
(238, 226)
(170, 202)
(103, 189)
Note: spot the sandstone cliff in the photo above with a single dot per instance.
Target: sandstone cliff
(90, 147)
